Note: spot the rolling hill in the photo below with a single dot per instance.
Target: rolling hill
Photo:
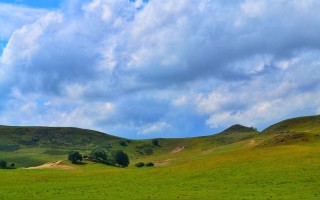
(281, 162)
(30, 146)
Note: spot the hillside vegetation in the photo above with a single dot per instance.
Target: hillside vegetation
(281, 162)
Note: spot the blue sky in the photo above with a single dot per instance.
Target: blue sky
(145, 69)
(48, 4)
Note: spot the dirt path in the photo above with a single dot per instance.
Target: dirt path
(178, 149)
(55, 165)
(252, 143)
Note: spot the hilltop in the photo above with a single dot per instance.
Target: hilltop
(237, 128)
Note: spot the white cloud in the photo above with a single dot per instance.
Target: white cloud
(139, 4)
(285, 64)
(180, 101)
(14, 17)
(214, 102)
(154, 128)
(131, 67)
(25, 39)
(90, 7)
(253, 8)
(256, 103)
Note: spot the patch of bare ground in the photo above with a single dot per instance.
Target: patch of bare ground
(252, 143)
(208, 150)
(179, 148)
(54, 165)
(163, 162)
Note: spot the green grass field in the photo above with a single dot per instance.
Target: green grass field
(282, 162)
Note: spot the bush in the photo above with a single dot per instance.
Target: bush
(140, 164)
(108, 146)
(3, 164)
(148, 151)
(145, 149)
(12, 165)
(74, 157)
(98, 155)
(9, 147)
(155, 142)
(149, 164)
(123, 143)
(121, 159)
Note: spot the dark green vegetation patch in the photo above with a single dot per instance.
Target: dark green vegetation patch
(9, 147)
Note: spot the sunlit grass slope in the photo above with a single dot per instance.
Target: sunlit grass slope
(31, 146)
(281, 172)
(282, 162)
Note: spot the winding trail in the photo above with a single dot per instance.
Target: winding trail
(54, 165)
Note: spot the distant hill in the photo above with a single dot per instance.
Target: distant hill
(52, 137)
(30, 146)
(281, 162)
(239, 129)
(293, 131)
(299, 124)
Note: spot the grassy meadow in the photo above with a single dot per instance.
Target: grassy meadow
(282, 162)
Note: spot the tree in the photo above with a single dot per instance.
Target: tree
(74, 157)
(149, 164)
(123, 143)
(155, 142)
(12, 165)
(3, 164)
(121, 159)
(99, 155)
(148, 151)
(140, 164)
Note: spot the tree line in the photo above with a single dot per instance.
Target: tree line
(113, 158)
(4, 165)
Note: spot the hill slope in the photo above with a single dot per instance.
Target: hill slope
(293, 131)
(52, 137)
(29, 146)
(229, 165)
(308, 124)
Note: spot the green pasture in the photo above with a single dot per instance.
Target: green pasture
(282, 162)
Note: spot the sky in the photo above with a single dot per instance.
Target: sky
(150, 69)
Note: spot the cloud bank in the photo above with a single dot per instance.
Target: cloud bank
(160, 68)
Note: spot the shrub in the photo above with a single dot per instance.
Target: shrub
(108, 146)
(12, 165)
(149, 164)
(148, 151)
(123, 143)
(3, 164)
(121, 159)
(98, 155)
(140, 164)
(9, 147)
(74, 157)
(155, 142)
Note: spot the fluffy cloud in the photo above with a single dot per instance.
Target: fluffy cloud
(154, 128)
(140, 69)
(14, 17)
(293, 91)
